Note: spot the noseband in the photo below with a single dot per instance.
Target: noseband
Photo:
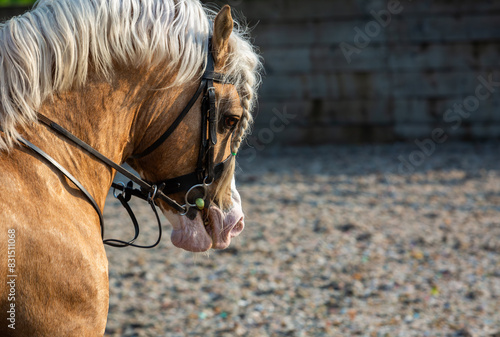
(205, 174)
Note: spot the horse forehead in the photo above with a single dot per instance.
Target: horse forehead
(229, 98)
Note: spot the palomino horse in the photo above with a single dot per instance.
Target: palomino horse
(116, 74)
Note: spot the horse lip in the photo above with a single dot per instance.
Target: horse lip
(188, 234)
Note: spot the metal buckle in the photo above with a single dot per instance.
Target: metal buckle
(205, 181)
(123, 191)
(152, 196)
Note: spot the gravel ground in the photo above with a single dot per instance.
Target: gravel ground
(337, 243)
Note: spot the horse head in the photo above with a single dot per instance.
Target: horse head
(214, 215)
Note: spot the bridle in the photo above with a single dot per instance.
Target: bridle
(206, 171)
(205, 174)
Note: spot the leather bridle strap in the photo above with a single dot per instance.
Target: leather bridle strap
(123, 198)
(68, 175)
(206, 83)
(145, 187)
(174, 125)
(210, 116)
(185, 182)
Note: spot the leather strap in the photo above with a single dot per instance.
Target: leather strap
(68, 175)
(174, 125)
(185, 182)
(209, 75)
(123, 198)
(128, 192)
(207, 79)
(143, 184)
(218, 77)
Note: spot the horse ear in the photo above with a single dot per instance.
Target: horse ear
(223, 27)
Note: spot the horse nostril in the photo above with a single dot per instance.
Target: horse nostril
(238, 228)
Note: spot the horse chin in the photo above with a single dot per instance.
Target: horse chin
(189, 234)
(194, 236)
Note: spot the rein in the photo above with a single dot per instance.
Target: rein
(204, 175)
(146, 192)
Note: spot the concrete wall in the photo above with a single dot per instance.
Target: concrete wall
(396, 80)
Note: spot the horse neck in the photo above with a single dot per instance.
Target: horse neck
(101, 114)
(114, 118)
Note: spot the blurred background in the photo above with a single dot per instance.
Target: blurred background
(370, 183)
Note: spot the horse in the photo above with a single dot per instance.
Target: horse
(88, 83)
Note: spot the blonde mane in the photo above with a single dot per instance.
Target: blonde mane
(53, 47)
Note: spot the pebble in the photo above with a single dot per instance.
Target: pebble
(337, 243)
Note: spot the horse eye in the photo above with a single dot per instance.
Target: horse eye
(230, 122)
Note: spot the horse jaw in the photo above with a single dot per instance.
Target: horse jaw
(192, 235)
